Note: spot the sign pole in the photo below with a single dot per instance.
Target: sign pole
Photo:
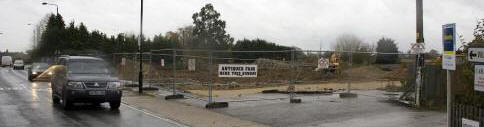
(448, 62)
(449, 99)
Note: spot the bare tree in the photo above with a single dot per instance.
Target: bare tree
(38, 29)
(347, 42)
(351, 43)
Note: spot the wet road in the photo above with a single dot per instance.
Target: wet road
(24, 103)
(370, 109)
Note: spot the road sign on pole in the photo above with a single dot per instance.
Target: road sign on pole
(448, 41)
(418, 48)
(448, 61)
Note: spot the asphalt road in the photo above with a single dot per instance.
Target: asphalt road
(24, 103)
(369, 109)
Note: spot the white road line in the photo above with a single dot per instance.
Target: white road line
(153, 115)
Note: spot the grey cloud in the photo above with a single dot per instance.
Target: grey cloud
(302, 23)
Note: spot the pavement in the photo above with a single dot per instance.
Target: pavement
(24, 103)
(185, 113)
(369, 109)
(372, 108)
(29, 104)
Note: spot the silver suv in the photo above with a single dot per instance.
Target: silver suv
(84, 79)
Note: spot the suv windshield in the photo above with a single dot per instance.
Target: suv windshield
(86, 66)
(40, 66)
(19, 62)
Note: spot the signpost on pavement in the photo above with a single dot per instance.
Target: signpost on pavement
(448, 60)
(448, 40)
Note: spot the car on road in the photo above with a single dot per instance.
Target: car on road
(36, 69)
(18, 65)
(84, 79)
(6, 61)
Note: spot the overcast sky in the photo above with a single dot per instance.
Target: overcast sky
(301, 23)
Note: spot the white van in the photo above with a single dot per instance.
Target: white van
(6, 61)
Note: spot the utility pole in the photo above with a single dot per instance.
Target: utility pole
(140, 40)
(419, 62)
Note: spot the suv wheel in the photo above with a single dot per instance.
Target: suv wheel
(66, 104)
(55, 99)
(114, 105)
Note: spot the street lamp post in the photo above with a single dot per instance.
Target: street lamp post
(140, 40)
(56, 52)
(57, 6)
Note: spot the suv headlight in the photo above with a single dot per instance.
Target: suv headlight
(114, 85)
(34, 73)
(75, 85)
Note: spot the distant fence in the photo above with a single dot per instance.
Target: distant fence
(434, 90)
(285, 70)
(469, 112)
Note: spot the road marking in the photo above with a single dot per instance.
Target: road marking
(153, 115)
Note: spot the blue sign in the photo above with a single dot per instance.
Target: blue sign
(448, 38)
(448, 41)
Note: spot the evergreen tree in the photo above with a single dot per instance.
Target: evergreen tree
(209, 30)
(387, 45)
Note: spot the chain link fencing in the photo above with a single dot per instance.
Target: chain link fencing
(237, 76)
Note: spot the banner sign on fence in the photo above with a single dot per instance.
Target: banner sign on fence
(237, 70)
(448, 41)
(191, 64)
(479, 78)
(123, 61)
(469, 123)
(162, 62)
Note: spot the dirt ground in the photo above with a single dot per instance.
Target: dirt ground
(369, 85)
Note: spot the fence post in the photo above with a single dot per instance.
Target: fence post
(174, 71)
(210, 67)
(349, 74)
(151, 79)
(292, 86)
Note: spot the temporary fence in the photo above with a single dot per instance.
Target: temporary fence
(466, 116)
(233, 76)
